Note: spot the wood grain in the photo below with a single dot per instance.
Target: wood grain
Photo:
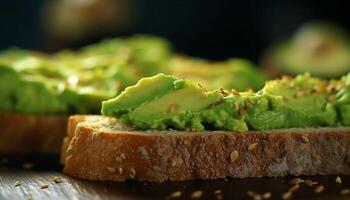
(71, 188)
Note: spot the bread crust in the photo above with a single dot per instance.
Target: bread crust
(22, 134)
(97, 153)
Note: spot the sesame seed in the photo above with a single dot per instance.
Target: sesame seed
(122, 155)
(219, 197)
(345, 191)
(319, 189)
(252, 146)
(176, 194)
(267, 195)
(118, 159)
(110, 169)
(18, 183)
(338, 179)
(296, 181)
(234, 156)
(56, 179)
(132, 172)
(120, 170)
(287, 195)
(294, 188)
(305, 139)
(44, 186)
(197, 194)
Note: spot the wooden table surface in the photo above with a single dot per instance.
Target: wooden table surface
(44, 168)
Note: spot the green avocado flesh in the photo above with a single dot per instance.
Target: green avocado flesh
(77, 81)
(70, 82)
(165, 102)
(322, 49)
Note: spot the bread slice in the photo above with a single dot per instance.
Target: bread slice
(97, 148)
(26, 134)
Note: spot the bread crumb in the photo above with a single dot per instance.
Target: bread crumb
(234, 156)
(176, 194)
(56, 179)
(305, 139)
(294, 188)
(252, 146)
(287, 195)
(296, 181)
(18, 183)
(44, 186)
(267, 195)
(319, 189)
(197, 194)
(110, 169)
(27, 165)
(338, 179)
(345, 191)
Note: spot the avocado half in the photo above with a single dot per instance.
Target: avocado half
(320, 48)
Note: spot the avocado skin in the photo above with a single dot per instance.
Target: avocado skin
(297, 102)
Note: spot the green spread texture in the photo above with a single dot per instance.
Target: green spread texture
(165, 102)
(69, 82)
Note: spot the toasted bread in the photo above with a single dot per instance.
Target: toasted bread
(26, 134)
(98, 148)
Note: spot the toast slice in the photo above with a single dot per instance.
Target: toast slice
(98, 148)
(22, 134)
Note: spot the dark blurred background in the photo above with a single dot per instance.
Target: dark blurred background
(210, 29)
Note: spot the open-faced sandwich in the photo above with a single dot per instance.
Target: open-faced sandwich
(39, 91)
(165, 128)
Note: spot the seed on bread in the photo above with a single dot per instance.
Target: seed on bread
(118, 159)
(251, 147)
(305, 139)
(311, 183)
(234, 156)
(122, 155)
(197, 194)
(110, 169)
(120, 170)
(132, 173)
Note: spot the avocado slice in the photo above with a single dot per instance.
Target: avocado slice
(320, 48)
(303, 101)
(236, 73)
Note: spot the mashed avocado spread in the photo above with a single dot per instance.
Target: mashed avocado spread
(165, 102)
